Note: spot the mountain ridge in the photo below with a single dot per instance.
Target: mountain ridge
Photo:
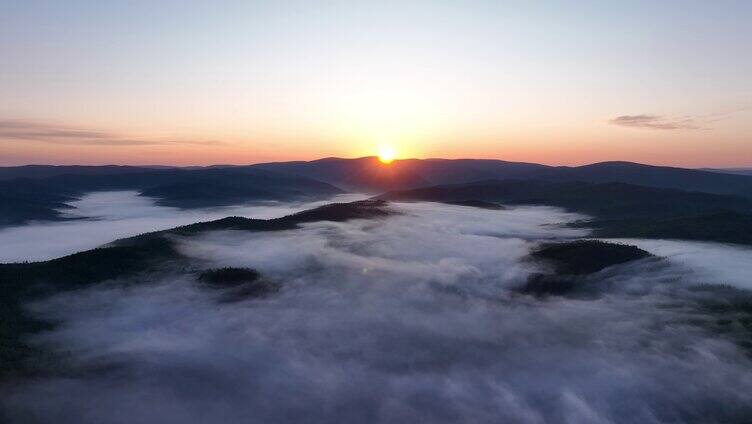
(35, 190)
(615, 209)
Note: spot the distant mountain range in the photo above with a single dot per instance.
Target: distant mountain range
(738, 171)
(370, 175)
(44, 171)
(39, 198)
(37, 191)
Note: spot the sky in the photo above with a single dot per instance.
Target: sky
(196, 83)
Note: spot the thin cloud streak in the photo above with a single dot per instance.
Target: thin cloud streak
(656, 122)
(19, 129)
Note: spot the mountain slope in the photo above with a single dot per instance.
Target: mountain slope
(617, 209)
(654, 176)
(217, 186)
(368, 174)
(17, 210)
(605, 200)
(151, 252)
(228, 186)
(46, 171)
(362, 174)
(39, 198)
(736, 171)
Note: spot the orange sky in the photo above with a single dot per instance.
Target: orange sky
(555, 146)
(561, 83)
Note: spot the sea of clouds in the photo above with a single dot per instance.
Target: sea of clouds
(411, 318)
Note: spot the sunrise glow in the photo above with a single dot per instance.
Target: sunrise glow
(493, 80)
(375, 211)
(387, 154)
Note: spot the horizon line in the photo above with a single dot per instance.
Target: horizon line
(374, 157)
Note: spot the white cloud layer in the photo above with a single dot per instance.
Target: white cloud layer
(407, 319)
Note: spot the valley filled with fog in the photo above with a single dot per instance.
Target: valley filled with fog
(399, 212)
(415, 316)
(100, 217)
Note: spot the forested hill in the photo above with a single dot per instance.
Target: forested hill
(616, 209)
(151, 252)
(26, 199)
(368, 174)
(36, 192)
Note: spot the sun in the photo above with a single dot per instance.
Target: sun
(386, 154)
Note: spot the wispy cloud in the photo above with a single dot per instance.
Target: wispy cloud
(656, 122)
(695, 122)
(19, 129)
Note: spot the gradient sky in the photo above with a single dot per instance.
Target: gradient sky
(179, 82)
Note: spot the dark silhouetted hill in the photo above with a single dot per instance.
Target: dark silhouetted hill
(366, 174)
(16, 210)
(370, 175)
(222, 185)
(654, 176)
(46, 171)
(359, 174)
(237, 283)
(606, 200)
(477, 204)
(38, 198)
(571, 261)
(618, 210)
(586, 256)
(228, 186)
(736, 171)
(722, 226)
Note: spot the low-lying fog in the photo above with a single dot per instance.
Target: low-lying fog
(711, 262)
(109, 215)
(406, 319)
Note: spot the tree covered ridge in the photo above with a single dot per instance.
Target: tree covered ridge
(150, 252)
